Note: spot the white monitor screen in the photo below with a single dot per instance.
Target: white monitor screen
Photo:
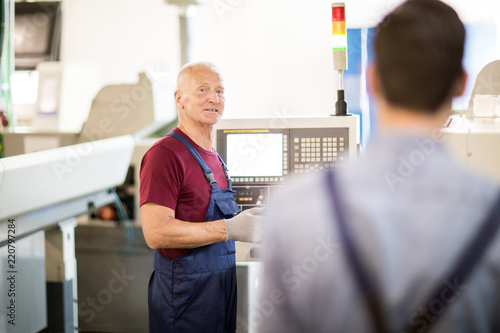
(255, 154)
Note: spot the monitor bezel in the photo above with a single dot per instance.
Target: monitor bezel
(29, 61)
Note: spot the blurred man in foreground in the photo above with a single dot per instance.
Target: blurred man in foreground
(404, 239)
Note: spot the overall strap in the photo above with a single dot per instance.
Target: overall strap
(468, 260)
(206, 170)
(365, 283)
(226, 172)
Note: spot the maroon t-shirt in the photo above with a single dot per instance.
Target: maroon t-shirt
(170, 176)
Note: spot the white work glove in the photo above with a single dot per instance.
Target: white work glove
(246, 226)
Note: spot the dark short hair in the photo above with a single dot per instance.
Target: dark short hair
(418, 54)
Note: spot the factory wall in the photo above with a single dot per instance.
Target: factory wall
(275, 55)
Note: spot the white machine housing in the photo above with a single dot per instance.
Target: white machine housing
(42, 179)
(264, 154)
(474, 137)
(40, 192)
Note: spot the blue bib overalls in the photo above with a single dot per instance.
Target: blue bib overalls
(197, 291)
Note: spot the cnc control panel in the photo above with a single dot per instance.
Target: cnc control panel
(263, 158)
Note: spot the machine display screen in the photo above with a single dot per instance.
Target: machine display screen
(37, 33)
(255, 154)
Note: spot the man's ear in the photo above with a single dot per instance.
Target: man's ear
(460, 84)
(373, 81)
(177, 98)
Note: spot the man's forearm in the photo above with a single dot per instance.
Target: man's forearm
(177, 234)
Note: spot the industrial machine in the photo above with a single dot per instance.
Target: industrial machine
(265, 154)
(474, 137)
(40, 194)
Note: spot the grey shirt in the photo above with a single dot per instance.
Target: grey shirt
(412, 211)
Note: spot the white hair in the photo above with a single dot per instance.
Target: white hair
(188, 67)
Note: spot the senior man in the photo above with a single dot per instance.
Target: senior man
(189, 215)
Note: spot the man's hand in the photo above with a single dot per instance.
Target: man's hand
(246, 226)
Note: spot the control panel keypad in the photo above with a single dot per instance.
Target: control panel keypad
(315, 154)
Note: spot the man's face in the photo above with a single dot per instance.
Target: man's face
(200, 99)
